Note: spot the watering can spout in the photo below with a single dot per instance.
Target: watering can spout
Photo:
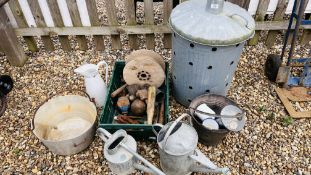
(87, 70)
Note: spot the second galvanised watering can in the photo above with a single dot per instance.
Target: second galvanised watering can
(120, 152)
(95, 86)
(177, 143)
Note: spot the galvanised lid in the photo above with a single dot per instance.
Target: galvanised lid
(212, 22)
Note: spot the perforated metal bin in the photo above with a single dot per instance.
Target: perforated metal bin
(208, 39)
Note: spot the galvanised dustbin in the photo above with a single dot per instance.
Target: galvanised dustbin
(208, 39)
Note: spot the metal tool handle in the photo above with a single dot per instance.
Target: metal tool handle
(239, 116)
(205, 165)
(32, 125)
(101, 63)
(170, 129)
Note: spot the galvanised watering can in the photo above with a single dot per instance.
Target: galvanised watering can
(177, 143)
(120, 152)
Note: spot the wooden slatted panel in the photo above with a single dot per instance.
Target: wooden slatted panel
(306, 35)
(21, 22)
(75, 17)
(149, 20)
(131, 20)
(9, 43)
(260, 16)
(238, 2)
(278, 16)
(92, 10)
(37, 14)
(58, 21)
(246, 4)
(112, 20)
(167, 9)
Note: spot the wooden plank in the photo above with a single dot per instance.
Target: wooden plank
(131, 20)
(112, 20)
(37, 14)
(9, 43)
(306, 35)
(92, 10)
(76, 21)
(289, 107)
(167, 9)
(237, 2)
(21, 22)
(58, 22)
(2, 2)
(278, 16)
(246, 4)
(260, 16)
(149, 20)
(139, 29)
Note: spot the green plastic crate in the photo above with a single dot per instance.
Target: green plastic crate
(138, 131)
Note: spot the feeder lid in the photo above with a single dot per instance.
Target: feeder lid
(212, 22)
(182, 139)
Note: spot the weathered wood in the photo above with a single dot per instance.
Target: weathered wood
(76, 21)
(260, 16)
(21, 22)
(246, 4)
(112, 20)
(58, 22)
(237, 2)
(306, 35)
(149, 20)
(131, 20)
(278, 16)
(9, 43)
(92, 10)
(141, 29)
(39, 19)
(167, 9)
(2, 2)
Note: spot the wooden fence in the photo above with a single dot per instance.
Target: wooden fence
(63, 18)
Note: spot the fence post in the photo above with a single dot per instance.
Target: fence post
(9, 43)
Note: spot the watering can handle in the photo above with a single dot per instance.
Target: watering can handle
(103, 134)
(205, 165)
(106, 69)
(170, 129)
(32, 125)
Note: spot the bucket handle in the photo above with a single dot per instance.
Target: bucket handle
(32, 124)
(205, 165)
(170, 129)
(101, 63)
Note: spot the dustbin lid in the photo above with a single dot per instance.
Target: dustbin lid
(196, 21)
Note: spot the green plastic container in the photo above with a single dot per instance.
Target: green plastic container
(138, 131)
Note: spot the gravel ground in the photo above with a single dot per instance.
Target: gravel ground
(269, 144)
